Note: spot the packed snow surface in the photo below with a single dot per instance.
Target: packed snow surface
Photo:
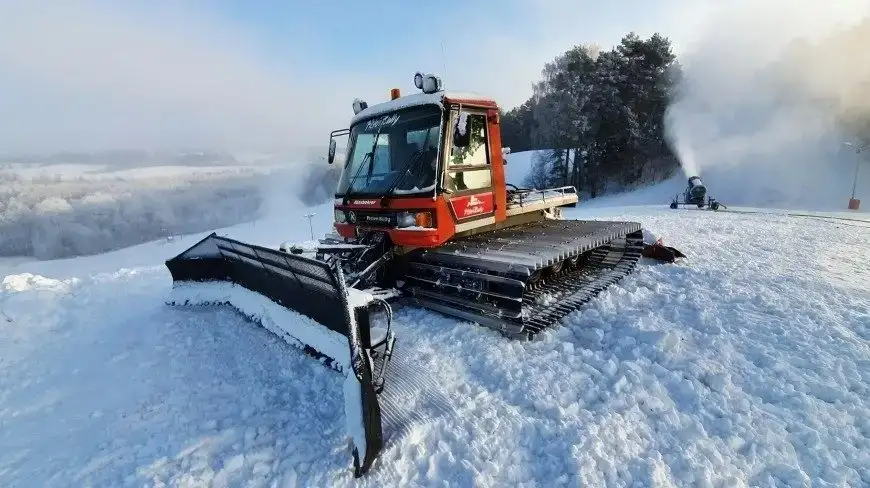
(279, 320)
(825, 186)
(748, 364)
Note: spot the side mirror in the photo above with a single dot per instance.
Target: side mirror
(461, 131)
(331, 158)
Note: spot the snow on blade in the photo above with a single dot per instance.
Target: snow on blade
(353, 394)
(294, 328)
(353, 414)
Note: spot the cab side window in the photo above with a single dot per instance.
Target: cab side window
(468, 163)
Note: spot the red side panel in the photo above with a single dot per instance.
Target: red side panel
(497, 163)
(471, 206)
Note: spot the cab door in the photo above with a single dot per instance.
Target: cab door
(467, 176)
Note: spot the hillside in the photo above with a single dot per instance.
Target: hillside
(66, 205)
(819, 186)
(743, 365)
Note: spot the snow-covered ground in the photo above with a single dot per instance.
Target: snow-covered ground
(50, 211)
(748, 364)
(824, 185)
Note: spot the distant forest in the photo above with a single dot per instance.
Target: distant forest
(599, 115)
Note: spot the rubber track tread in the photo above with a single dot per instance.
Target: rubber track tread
(469, 288)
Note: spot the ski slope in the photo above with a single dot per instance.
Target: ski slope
(746, 365)
(823, 185)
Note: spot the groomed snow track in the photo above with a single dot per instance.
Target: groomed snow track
(524, 279)
(519, 280)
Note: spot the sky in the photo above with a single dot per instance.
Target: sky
(271, 75)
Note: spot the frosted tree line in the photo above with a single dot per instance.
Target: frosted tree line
(600, 113)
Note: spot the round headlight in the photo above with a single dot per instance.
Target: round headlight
(405, 219)
(431, 84)
(351, 217)
(339, 216)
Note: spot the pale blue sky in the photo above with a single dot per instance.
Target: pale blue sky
(272, 74)
(336, 33)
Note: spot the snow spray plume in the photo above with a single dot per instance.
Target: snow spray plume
(767, 98)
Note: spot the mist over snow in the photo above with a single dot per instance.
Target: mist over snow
(114, 96)
(68, 205)
(770, 94)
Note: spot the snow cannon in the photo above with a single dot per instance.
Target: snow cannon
(696, 194)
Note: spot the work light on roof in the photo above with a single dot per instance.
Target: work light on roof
(428, 83)
(359, 106)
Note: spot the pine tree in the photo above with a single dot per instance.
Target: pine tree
(600, 114)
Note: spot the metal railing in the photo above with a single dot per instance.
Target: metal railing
(523, 196)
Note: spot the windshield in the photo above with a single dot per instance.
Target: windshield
(394, 153)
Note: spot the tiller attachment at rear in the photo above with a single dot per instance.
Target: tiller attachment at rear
(305, 302)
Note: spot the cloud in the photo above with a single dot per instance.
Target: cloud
(94, 75)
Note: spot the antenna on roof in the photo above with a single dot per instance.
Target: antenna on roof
(443, 58)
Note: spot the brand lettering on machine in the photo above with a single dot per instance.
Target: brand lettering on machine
(378, 218)
(386, 120)
(365, 202)
(474, 207)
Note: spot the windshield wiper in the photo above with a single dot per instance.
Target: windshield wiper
(404, 172)
(370, 155)
(355, 176)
